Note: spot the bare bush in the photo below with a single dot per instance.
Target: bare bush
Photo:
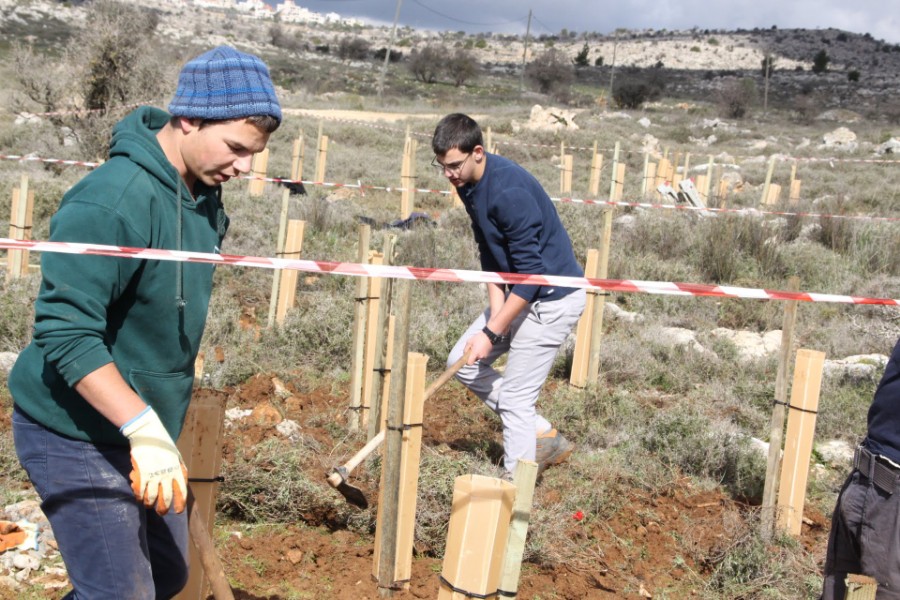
(355, 48)
(736, 98)
(551, 72)
(635, 87)
(112, 64)
(426, 64)
(462, 66)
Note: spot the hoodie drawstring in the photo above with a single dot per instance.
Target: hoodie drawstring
(179, 271)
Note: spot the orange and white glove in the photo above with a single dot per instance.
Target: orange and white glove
(158, 475)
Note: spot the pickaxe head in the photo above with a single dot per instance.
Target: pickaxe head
(355, 496)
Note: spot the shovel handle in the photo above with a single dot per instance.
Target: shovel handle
(337, 477)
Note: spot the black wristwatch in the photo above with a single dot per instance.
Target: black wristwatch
(493, 337)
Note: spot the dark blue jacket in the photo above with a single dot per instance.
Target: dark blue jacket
(517, 228)
(884, 415)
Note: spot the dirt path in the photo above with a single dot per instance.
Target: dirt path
(361, 115)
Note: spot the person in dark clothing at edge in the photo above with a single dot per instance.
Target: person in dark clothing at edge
(102, 390)
(865, 526)
(517, 230)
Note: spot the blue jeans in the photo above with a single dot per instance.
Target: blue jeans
(113, 547)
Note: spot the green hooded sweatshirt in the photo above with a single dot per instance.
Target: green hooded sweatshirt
(146, 316)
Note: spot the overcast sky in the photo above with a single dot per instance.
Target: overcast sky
(876, 17)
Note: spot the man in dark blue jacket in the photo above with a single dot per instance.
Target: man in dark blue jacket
(517, 230)
(865, 526)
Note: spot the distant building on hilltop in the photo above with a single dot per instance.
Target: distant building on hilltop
(287, 11)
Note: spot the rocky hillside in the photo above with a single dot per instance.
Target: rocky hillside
(859, 66)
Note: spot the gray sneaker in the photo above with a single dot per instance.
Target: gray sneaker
(552, 449)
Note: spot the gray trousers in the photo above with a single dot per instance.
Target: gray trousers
(865, 538)
(534, 339)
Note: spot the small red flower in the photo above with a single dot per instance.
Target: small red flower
(578, 515)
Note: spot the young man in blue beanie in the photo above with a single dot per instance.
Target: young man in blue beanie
(865, 526)
(517, 230)
(101, 392)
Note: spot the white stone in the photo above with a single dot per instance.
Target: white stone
(7, 359)
(644, 122)
(892, 146)
(25, 118)
(236, 414)
(620, 314)
(749, 344)
(679, 337)
(857, 367)
(551, 119)
(289, 429)
(836, 453)
(24, 561)
(840, 139)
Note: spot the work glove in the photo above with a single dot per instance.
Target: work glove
(158, 476)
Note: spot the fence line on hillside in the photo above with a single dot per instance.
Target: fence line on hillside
(564, 199)
(668, 288)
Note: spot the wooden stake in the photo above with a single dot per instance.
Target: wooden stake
(600, 300)
(596, 167)
(618, 183)
(199, 365)
(702, 188)
(799, 438)
(321, 159)
(765, 192)
(297, 155)
(860, 587)
(384, 335)
(287, 290)
(200, 444)
(382, 384)
(645, 179)
(581, 354)
(565, 174)
(524, 479)
(360, 324)
(478, 531)
(388, 504)
(279, 253)
(413, 413)
(776, 424)
(372, 307)
(489, 140)
(663, 173)
(794, 193)
(408, 178)
(774, 194)
(258, 166)
(649, 180)
(705, 190)
(615, 171)
(20, 222)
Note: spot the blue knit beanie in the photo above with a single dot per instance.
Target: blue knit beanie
(225, 84)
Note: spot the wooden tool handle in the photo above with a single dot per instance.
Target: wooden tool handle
(215, 573)
(336, 478)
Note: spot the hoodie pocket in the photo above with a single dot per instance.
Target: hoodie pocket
(168, 393)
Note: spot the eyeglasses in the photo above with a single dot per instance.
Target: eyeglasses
(452, 168)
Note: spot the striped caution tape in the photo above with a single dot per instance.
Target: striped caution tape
(443, 275)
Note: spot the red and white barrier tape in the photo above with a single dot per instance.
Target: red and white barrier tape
(362, 187)
(58, 161)
(447, 275)
(619, 203)
(81, 111)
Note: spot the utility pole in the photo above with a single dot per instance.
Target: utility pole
(612, 70)
(768, 62)
(525, 54)
(387, 54)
